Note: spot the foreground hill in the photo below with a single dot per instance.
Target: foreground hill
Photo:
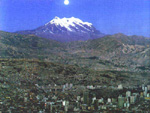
(34, 71)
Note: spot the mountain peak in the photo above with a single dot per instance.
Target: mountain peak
(56, 17)
(68, 23)
(66, 29)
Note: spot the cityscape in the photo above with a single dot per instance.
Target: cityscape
(71, 98)
(74, 56)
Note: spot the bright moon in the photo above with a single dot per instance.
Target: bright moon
(66, 2)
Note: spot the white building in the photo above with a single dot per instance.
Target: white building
(143, 87)
(128, 93)
(132, 99)
(101, 100)
(148, 95)
(120, 86)
(78, 98)
(148, 87)
(145, 91)
(126, 105)
(93, 99)
(109, 100)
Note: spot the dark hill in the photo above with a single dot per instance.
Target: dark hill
(27, 46)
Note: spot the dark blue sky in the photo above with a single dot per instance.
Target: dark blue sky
(131, 17)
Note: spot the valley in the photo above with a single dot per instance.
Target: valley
(45, 69)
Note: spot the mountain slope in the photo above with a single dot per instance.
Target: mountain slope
(112, 52)
(66, 30)
(27, 46)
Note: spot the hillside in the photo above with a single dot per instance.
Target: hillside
(27, 46)
(113, 52)
(34, 71)
(30, 65)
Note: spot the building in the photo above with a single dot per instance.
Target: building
(114, 101)
(109, 100)
(86, 97)
(145, 91)
(143, 87)
(148, 87)
(120, 102)
(78, 98)
(148, 95)
(101, 100)
(93, 99)
(120, 86)
(128, 93)
(147, 98)
(132, 99)
(127, 105)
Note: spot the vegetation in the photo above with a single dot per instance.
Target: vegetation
(111, 58)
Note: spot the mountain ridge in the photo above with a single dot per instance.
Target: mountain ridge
(115, 52)
(66, 30)
(14, 45)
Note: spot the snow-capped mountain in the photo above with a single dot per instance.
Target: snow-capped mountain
(65, 30)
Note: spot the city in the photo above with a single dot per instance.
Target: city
(74, 56)
(71, 98)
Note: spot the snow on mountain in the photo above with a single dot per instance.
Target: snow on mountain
(66, 30)
(67, 22)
